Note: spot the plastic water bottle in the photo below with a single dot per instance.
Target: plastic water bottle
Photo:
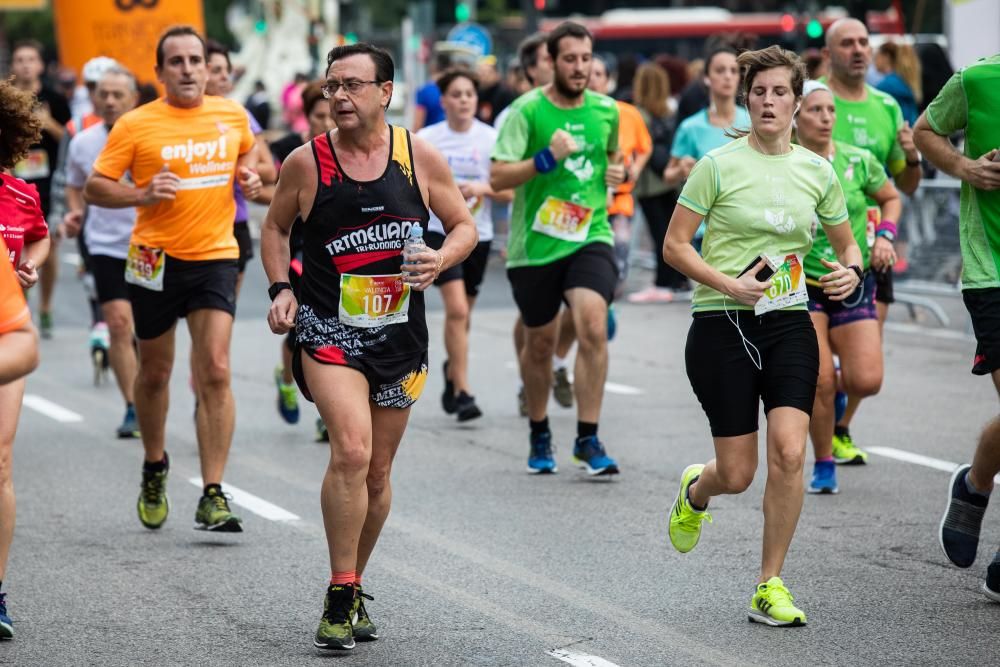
(414, 244)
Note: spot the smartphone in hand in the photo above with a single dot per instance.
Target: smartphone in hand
(763, 274)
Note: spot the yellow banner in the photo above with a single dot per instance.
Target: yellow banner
(23, 4)
(126, 30)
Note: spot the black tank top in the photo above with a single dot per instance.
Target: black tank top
(358, 228)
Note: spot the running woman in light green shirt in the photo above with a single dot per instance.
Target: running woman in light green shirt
(850, 327)
(752, 339)
(970, 101)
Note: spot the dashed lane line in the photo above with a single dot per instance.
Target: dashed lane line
(50, 409)
(579, 659)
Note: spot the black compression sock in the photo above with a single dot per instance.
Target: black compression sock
(585, 429)
(537, 428)
(840, 431)
(158, 466)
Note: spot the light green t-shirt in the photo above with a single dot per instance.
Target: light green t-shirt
(758, 204)
(558, 212)
(971, 101)
(872, 124)
(861, 175)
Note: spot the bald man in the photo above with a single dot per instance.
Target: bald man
(870, 119)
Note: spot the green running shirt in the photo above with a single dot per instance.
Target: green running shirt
(755, 203)
(872, 124)
(861, 175)
(970, 101)
(556, 213)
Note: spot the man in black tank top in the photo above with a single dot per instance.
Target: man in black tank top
(361, 343)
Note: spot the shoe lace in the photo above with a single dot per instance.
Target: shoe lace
(152, 487)
(592, 448)
(220, 501)
(692, 519)
(541, 447)
(779, 596)
(289, 397)
(361, 596)
(3, 603)
(338, 605)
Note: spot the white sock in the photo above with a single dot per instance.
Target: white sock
(558, 363)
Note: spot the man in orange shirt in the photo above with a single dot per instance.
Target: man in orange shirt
(182, 153)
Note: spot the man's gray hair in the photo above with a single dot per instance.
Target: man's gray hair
(122, 71)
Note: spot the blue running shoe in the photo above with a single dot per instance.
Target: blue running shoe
(612, 323)
(589, 453)
(962, 520)
(540, 461)
(6, 625)
(839, 406)
(824, 479)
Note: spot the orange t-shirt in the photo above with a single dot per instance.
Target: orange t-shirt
(633, 137)
(200, 145)
(13, 308)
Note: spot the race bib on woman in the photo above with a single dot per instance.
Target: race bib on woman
(788, 286)
(374, 301)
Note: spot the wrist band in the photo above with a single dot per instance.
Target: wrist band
(545, 161)
(440, 263)
(887, 226)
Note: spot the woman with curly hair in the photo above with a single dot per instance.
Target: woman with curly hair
(25, 242)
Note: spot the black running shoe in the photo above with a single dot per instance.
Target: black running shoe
(991, 587)
(448, 400)
(335, 632)
(959, 530)
(466, 407)
(364, 629)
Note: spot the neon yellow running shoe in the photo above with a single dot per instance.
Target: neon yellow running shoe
(845, 452)
(685, 520)
(772, 605)
(153, 505)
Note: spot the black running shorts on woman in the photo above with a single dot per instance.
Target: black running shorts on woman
(728, 384)
(354, 309)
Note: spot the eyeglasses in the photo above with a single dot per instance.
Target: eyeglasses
(352, 86)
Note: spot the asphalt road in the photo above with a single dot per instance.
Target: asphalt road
(480, 563)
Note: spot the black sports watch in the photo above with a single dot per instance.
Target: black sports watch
(855, 268)
(275, 288)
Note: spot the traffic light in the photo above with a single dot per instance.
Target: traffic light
(814, 29)
(462, 11)
(787, 22)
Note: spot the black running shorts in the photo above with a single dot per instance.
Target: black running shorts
(728, 384)
(242, 233)
(472, 269)
(109, 277)
(539, 291)
(394, 383)
(984, 308)
(187, 286)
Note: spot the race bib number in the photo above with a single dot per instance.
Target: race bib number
(788, 286)
(144, 267)
(374, 301)
(871, 223)
(563, 220)
(34, 166)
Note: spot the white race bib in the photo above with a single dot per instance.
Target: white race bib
(563, 220)
(144, 267)
(373, 301)
(788, 286)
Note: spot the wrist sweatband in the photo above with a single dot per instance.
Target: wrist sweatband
(545, 161)
(887, 226)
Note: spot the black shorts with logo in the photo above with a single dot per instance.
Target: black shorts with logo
(471, 270)
(539, 291)
(187, 286)
(109, 277)
(984, 308)
(241, 230)
(728, 383)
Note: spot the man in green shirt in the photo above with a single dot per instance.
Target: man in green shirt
(870, 119)
(557, 147)
(969, 101)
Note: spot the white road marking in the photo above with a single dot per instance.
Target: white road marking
(257, 505)
(579, 659)
(71, 258)
(50, 409)
(919, 459)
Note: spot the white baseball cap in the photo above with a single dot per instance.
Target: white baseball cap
(96, 67)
